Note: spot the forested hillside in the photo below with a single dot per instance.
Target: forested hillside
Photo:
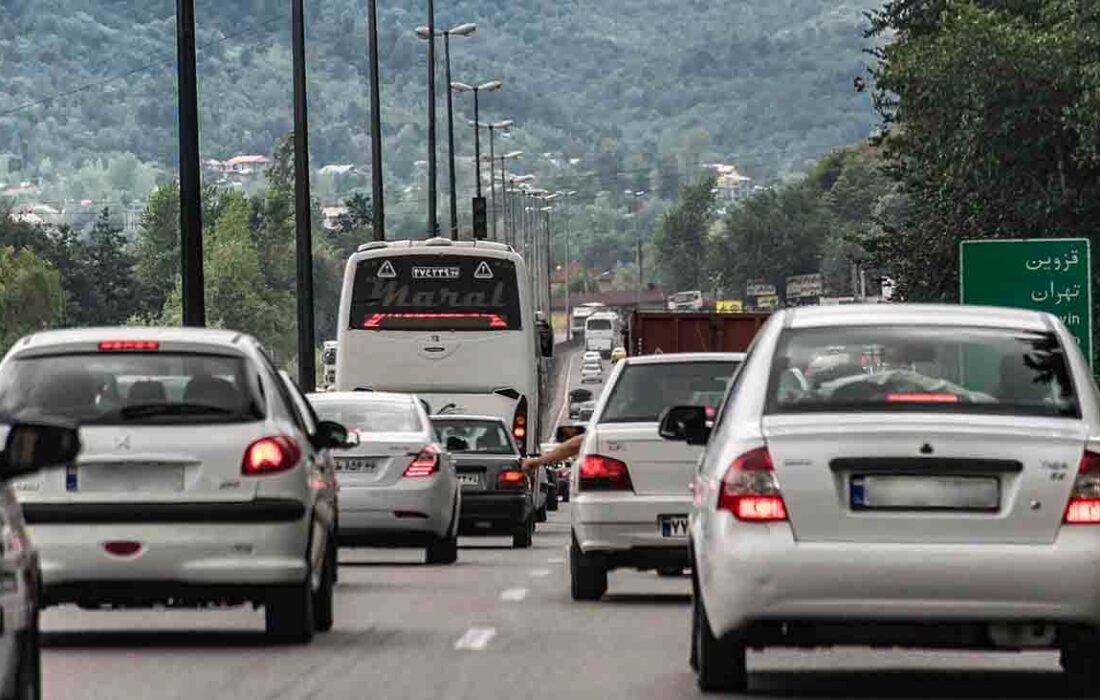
(626, 87)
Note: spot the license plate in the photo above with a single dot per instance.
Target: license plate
(967, 493)
(127, 478)
(356, 465)
(673, 525)
(469, 480)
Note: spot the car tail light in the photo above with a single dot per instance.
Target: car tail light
(122, 548)
(519, 425)
(270, 455)
(750, 490)
(128, 345)
(424, 464)
(599, 473)
(511, 479)
(1084, 501)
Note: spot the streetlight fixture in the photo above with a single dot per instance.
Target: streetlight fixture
(568, 311)
(479, 202)
(513, 180)
(466, 29)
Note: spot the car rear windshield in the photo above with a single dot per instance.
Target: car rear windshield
(644, 391)
(905, 368)
(435, 293)
(599, 324)
(371, 416)
(483, 436)
(128, 388)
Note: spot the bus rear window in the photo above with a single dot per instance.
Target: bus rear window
(435, 293)
(599, 324)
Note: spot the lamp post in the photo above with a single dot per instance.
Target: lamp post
(375, 125)
(307, 364)
(192, 295)
(433, 221)
(466, 29)
(636, 199)
(548, 265)
(504, 125)
(479, 201)
(568, 312)
(513, 180)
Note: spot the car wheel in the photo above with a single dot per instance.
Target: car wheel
(522, 535)
(443, 551)
(587, 574)
(289, 614)
(28, 676)
(565, 496)
(719, 663)
(552, 499)
(1078, 661)
(540, 514)
(323, 603)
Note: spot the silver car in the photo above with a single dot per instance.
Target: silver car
(397, 486)
(630, 496)
(920, 476)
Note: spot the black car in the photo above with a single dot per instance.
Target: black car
(497, 497)
(577, 399)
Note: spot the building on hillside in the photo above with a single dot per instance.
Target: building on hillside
(337, 169)
(730, 186)
(330, 216)
(246, 164)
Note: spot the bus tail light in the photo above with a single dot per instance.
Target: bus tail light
(519, 425)
(1084, 501)
(750, 490)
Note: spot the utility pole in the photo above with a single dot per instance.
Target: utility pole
(450, 138)
(307, 362)
(193, 292)
(375, 126)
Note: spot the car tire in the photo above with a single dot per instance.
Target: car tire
(565, 496)
(1078, 662)
(552, 499)
(522, 536)
(540, 514)
(289, 614)
(443, 551)
(587, 574)
(28, 676)
(323, 598)
(720, 664)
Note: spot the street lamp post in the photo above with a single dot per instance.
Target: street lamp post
(636, 199)
(466, 29)
(193, 295)
(513, 180)
(504, 125)
(302, 225)
(476, 89)
(433, 221)
(568, 312)
(375, 126)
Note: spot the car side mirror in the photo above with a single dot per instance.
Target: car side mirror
(565, 433)
(546, 340)
(457, 444)
(330, 435)
(34, 445)
(685, 424)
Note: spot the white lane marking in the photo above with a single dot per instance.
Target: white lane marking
(555, 560)
(539, 573)
(565, 395)
(513, 595)
(475, 639)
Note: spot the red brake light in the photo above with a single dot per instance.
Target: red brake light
(1084, 501)
(599, 473)
(122, 548)
(128, 345)
(494, 321)
(750, 490)
(519, 425)
(511, 479)
(922, 398)
(270, 455)
(424, 464)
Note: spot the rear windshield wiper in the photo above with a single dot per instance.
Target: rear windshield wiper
(145, 410)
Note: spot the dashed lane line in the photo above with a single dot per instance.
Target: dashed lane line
(513, 595)
(475, 639)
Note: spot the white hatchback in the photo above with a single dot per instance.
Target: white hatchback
(630, 488)
(891, 475)
(204, 479)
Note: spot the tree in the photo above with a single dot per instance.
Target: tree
(354, 227)
(112, 293)
(157, 249)
(30, 294)
(682, 236)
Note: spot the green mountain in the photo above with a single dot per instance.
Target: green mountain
(635, 90)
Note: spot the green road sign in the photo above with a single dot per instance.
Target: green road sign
(1045, 274)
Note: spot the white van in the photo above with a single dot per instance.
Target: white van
(452, 322)
(602, 332)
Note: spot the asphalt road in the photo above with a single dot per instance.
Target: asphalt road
(498, 624)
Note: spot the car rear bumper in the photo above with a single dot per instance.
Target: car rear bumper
(197, 555)
(607, 522)
(411, 511)
(759, 574)
(491, 512)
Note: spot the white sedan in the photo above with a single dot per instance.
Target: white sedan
(916, 476)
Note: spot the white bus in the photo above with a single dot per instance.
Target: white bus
(450, 321)
(602, 332)
(580, 315)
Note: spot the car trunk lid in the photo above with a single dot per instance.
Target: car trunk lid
(656, 466)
